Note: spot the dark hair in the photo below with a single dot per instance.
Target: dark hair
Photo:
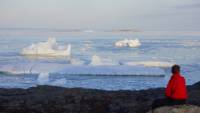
(175, 69)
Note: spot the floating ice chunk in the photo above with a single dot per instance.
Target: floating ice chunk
(96, 60)
(49, 48)
(43, 78)
(128, 43)
(148, 63)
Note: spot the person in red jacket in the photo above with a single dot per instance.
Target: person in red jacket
(176, 91)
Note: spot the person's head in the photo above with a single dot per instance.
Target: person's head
(175, 69)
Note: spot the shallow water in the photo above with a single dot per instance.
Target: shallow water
(181, 50)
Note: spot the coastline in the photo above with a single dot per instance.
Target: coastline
(53, 99)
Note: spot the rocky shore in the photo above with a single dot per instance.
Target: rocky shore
(50, 99)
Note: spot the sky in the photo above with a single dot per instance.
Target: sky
(178, 15)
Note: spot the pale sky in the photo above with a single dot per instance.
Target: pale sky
(101, 14)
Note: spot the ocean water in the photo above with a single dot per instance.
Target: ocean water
(76, 70)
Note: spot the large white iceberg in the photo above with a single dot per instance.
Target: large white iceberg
(128, 43)
(48, 48)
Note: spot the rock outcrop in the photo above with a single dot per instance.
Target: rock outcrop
(177, 109)
(50, 99)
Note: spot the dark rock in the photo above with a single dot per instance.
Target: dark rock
(51, 99)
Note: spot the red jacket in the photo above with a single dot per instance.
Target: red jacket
(176, 88)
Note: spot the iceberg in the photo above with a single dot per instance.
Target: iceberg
(148, 63)
(128, 43)
(48, 48)
(96, 60)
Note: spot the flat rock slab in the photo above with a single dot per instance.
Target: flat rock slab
(177, 109)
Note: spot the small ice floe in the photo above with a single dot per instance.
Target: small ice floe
(43, 78)
(148, 63)
(48, 48)
(128, 43)
(96, 60)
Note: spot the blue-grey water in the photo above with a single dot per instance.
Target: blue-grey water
(183, 50)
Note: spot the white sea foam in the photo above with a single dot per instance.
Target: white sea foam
(43, 78)
(148, 63)
(49, 48)
(128, 43)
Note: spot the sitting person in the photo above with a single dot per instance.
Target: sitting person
(176, 92)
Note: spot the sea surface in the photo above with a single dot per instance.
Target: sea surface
(182, 50)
